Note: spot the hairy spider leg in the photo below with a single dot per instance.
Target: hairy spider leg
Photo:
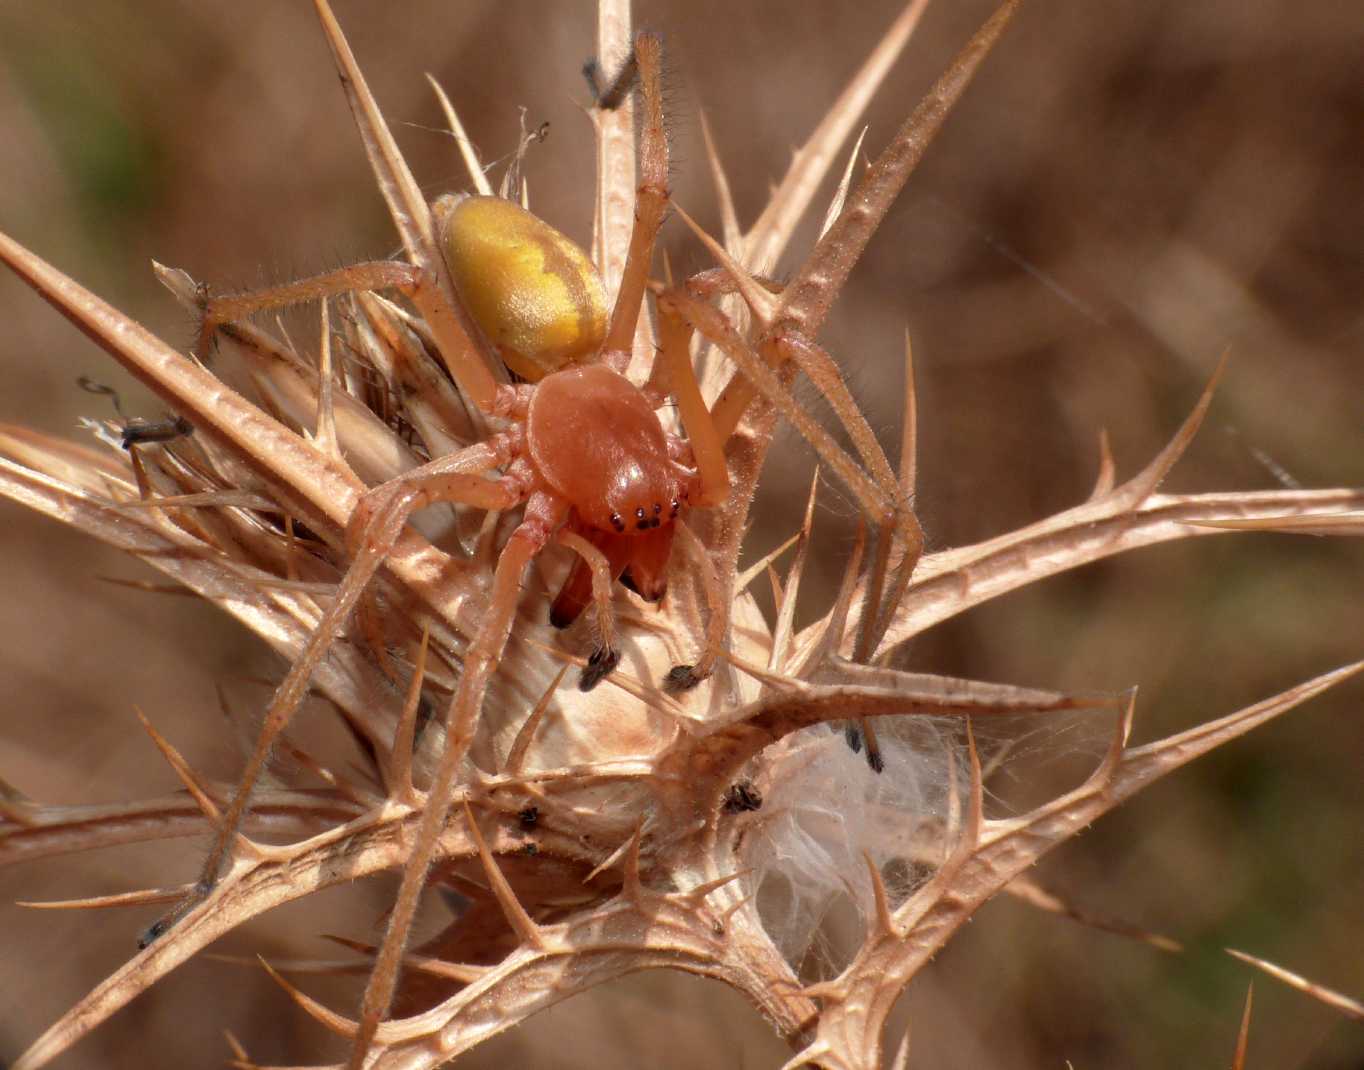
(782, 343)
(787, 332)
(706, 440)
(461, 474)
(603, 573)
(873, 482)
(449, 322)
(651, 201)
(543, 514)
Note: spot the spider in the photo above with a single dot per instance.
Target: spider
(577, 445)
(581, 447)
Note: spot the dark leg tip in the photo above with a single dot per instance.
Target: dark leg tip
(598, 668)
(853, 735)
(742, 797)
(591, 71)
(874, 759)
(560, 620)
(202, 889)
(681, 678)
(152, 934)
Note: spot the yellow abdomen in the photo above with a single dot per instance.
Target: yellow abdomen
(534, 293)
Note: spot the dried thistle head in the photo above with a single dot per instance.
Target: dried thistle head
(781, 862)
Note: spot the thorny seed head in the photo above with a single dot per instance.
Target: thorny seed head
(710, 828)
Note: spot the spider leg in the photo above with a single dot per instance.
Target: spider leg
(543, 514)
(685, 677)
(446, 318)
(712, 474)
(578, 589)
(878, 496)
(374, 531)
(456, 477)
(651, 201)
(445, 479)
(804, 304)
(873, 482)
(718, 282)
(820, 368)
(605, 657)
(219, 310)
(707, 445)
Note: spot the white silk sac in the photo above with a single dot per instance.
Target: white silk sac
(825, 813)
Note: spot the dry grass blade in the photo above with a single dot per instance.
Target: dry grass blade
(146, 897)
(807, 300)
(729, 218)
(335, 1022)
(1107, 476)
(282, 618)
(406, 204)
(182, 770)
(1034, 895)
(1243, 1036)
(954, 580)
(477, 176)
(1333, 524)
(615, 146)
(453, 970)
(317, 489)
(990, 854)
(48, 831)
(786, 602)
(1352, 1008)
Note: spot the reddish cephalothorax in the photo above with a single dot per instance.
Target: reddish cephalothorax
(595, 440)
(592, 437)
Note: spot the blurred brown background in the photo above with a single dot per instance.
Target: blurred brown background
(1128, 189)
